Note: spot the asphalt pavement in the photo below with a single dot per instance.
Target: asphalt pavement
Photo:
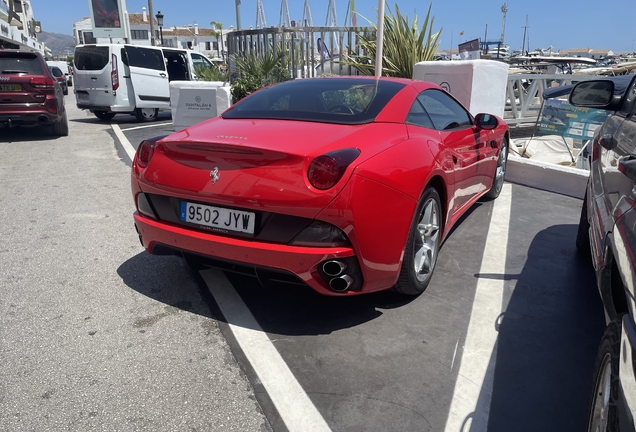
(99, 335)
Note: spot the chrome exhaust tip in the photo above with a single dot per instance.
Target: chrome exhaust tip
(334, 268)
(341, 283)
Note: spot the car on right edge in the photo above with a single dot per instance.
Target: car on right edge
(607, 233)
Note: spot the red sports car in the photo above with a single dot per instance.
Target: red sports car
(346, 184)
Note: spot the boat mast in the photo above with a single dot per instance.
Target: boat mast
(525, 31)
(504, 10)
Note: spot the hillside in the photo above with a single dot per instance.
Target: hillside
(57, 43)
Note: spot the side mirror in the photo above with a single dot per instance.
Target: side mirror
(486, 121)
(593, 94)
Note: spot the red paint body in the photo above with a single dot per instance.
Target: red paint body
(373, 203)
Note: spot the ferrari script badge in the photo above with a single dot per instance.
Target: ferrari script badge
(214, 175)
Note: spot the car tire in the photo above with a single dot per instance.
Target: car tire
(146, 114)
(60, 127)
(603, 413)
(103, 115)
(500, 172)
(583, 232)
(422, 245)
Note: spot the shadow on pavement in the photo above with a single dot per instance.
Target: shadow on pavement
(22, 134)
(282, 309)
(165, 279)
(548, 337)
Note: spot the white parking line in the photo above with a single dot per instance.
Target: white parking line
(470, 405)
(292, 403)
(147, 126)
(130, 150)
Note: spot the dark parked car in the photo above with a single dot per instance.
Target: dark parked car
(59, 76)
(29, 95)
(607, 231)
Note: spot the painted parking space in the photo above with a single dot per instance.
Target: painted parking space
(503, 339)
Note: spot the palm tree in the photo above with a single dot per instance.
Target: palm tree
(404, 46)
(218, 32)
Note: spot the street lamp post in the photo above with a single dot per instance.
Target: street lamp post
(159, 17)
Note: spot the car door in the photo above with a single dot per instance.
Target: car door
(149, 76)
(618, 182)
(459, 142)
(614, 141)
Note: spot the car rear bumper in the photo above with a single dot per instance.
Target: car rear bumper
(41, 117)
(303, 262)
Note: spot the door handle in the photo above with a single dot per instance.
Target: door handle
(162, 75)
(94, 78)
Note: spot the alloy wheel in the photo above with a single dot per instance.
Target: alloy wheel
(427, 242)
(600, 408)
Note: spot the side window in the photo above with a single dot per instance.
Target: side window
(124, 57)
(444, 111)
(199, 61)
(628, 102)
(145, 58)
(418, 116)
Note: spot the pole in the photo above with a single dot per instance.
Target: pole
(485, 47)
(380, 41)
(238, 14)
(152, 23)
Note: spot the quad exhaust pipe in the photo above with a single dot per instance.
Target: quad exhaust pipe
(339, 281)
(334, 268)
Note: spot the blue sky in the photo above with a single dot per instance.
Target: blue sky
(564, 24)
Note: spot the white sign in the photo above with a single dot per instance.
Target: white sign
(198, 103)
(107, 17)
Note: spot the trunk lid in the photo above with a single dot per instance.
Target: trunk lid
(259, 164)
(23, 80)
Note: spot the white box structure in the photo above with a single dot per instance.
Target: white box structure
(480, 85)
(192, 102)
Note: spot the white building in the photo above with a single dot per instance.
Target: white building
(21, 32)
(204, 40)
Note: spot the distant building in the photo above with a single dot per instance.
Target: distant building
(22, 30)
(203, 40)
(577, 52)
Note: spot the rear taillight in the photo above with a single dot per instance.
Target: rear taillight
(42, 82)
(114, 75)
(144, 153)
(326, 170)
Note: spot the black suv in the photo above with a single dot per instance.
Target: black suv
(29, 94)
(607, 233)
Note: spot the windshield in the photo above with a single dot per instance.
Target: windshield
(329, 100)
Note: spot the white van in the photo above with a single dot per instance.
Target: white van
(130, 79)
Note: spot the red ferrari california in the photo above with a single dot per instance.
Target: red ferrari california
(346, 184)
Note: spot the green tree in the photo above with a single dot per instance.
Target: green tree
(405, 44)
(218, 32)
(256, 71)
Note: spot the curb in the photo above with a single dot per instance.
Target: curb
(549, 177)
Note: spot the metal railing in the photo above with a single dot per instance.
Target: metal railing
(305, 56)
(524, 94)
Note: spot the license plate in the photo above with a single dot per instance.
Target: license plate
(218, 217)
(83, 96)
(10, 87)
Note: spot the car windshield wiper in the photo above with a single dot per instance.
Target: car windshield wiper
(11, 71)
